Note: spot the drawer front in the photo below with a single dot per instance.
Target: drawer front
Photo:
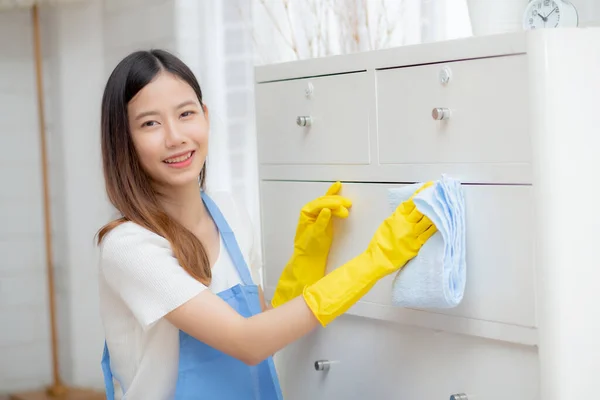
(500, 275)
(337, 107)
(488, 120)
(377, 360)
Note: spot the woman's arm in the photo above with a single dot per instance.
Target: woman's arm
(139, 266)
(211, 320)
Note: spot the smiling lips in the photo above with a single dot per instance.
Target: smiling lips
(181, 160)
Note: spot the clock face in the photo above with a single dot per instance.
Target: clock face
(542, 14)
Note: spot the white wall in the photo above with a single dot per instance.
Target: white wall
(24, 338)
(79, 77)
(72, 47)
(131, 25)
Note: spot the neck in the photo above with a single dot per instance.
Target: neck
(184, 204)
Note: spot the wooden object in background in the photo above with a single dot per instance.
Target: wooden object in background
(57, 390)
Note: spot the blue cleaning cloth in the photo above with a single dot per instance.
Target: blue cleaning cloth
(436, 277)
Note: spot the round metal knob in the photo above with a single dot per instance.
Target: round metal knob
(440, 114)
(304, 121)
(459, 396)
(322, 365)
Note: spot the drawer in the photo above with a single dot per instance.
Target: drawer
(376, 360)
(337, 107)
(500, 274)
(487, 100)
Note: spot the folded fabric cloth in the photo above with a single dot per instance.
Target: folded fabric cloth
(436, 277)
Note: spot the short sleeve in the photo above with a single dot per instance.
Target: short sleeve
(139, 266)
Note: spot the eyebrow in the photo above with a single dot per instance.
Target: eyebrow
(149, 113)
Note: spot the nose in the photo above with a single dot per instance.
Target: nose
(173, 135)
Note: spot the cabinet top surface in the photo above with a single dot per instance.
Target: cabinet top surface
(418, 54)
(457, 49)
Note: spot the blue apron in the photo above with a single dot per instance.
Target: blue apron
(205, 372)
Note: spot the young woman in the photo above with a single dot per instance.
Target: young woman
(182, 313)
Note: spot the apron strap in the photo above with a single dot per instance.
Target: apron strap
(228, 236)
(107, 373)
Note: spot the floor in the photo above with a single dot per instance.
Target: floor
(73, 395)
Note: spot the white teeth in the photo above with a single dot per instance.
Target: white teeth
(179, 159)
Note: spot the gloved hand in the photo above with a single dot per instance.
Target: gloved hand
(397, 240)
(312, 242)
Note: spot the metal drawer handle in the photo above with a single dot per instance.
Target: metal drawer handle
(322, 365)
(459, 396)
(304, 121)
(440, 114)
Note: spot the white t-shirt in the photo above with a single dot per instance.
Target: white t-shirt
(140, 282)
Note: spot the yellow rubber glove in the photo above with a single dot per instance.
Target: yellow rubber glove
(312, 242)
(397, 240)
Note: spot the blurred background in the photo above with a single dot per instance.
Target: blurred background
(81, 42)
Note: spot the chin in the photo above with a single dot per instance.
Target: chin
(183, 183)
(179, 179)
(187, 178)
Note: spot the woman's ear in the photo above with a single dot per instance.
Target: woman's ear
(205, 109)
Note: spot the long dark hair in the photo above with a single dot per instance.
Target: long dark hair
(128, 186)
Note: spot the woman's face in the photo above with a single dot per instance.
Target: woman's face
(169, 129)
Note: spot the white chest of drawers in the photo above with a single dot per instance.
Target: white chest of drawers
(518, 129)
